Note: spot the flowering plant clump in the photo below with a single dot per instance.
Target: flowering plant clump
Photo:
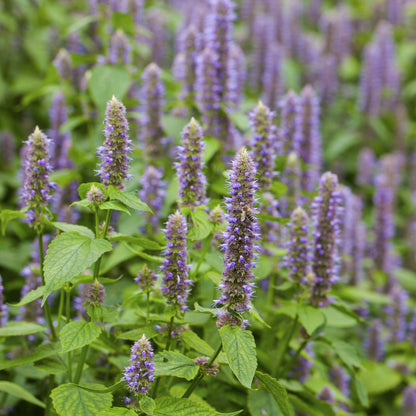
(209, 266)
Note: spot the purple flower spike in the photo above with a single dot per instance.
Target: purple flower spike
(326, 220)
(139, 375)
(409, 401)
(327, 395)
(412, 329)
(152, 93)
(114, 159)
(146, 279)
(175, 281)
(290, 133)
(242, 230)
(359, 235)
(263, 144)
(273, 83)
(63, 64)
(366, 167)
(310, 147)
(208, 90)
(95, 195)
(341, 379)
(119, 51)
(3, 306)
(396, 314)
(383, 224)
(299, 251)
(237, 75)
(95, 294)
(153, 193)
(189, 167)
(7, 147)
(36, 188)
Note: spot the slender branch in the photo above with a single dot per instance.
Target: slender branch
(78, 371)
(60, 309)
(200, 374)
(42, 275)
(147, 306)
(68, 319)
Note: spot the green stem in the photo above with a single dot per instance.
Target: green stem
(78, 371)
(286, 341)
(270, 290)
(48, 397)
(60, 309)
(170, 333)
(200, 374)
(68, 319)
(289, 365)
(147, 307)
(42, 275)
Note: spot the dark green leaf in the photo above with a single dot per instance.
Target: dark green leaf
(76, 334)
(261, 402)
(240, 350)
(19, 392)
(31, 296)
(277, 391)
(171, 363)
(8, 215)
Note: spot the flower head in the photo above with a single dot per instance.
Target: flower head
(95, 195)
(139, 375)
(94, 294)
(114, 159)
(175, 269)
(119, 51)
(146, 279)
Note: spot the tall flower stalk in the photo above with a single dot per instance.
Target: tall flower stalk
(242, 231)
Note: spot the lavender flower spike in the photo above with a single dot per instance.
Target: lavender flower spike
(175, 281)
(263, 144)
(36, 187)
(409, 401)
(299, 247)
(139, 375)
(242, 230)
(3, 307)
(146, 279)
(119, 51)
(189, 166)
(290, 133)
(114, 159)
(326, 212)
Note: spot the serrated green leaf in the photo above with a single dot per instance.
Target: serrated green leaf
(261, 402)
(42, 351)
(118, 411)
(147, 404)
(31, 296)
(136, 334)
(106, 81)
(277, 390)
(202, 227)
(70, 400)
(51, 365)
(63, 226)
(131, 199)
(172, 363)
(18, 328)
(19, 392)
(311, 318)
(192, 340)
(240, 349)
(378, 378)
(169, 406)
(140, 241)
(76, 334)
(256, 315)
(115, 205)
(7, 215)
(69, 255)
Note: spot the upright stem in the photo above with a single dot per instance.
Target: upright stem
(60, 309)
(68, 319)
(200, 374)
(170, 333)
(147, 307)
(270, 290)
(42, 275)
(78, 372)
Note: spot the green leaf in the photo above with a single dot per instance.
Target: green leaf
(63, 226)
(31, 296)
(42, 351)
(379, 378)
(192, 340)
(277, 390)
(171, 363)
(85, 187)
(261, 402)
(131, 199)
(116, 206)
(240, 350)
(211, 147)
(140, 241)
(76, 334)
(70, 400)
(256, 315)
(18, 328)
(311, 318)
(136, 334)
(8, 215)
(106, 81)
(361, 391)
(337, 319)
(69, 255)
(19, 392)
(147, 405)
(202, 227)
(118, 411)
(347, 353)
(51, 365)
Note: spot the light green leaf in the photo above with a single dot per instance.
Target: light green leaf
(76, 334)
(118, 411)
(17, 391)
(361, 391)
(63, 226)
(131, 199)
(256, 315)
(379, 378)
(171, 363)
(136, 334)
(262, 403)
(140, 241)
(116, 206)
(51, 365)
(347, 353)
(211, 147)
(85, 187)
(192, 340)
(277, 390)
(70, 400)
(147, 405)
(202, 227)
(31, 296)
(106, 81)
(7, 215)
(311, 318)
(240, 349)
(69, 255)
(337, 319)
(42, 351)
(18, 328)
